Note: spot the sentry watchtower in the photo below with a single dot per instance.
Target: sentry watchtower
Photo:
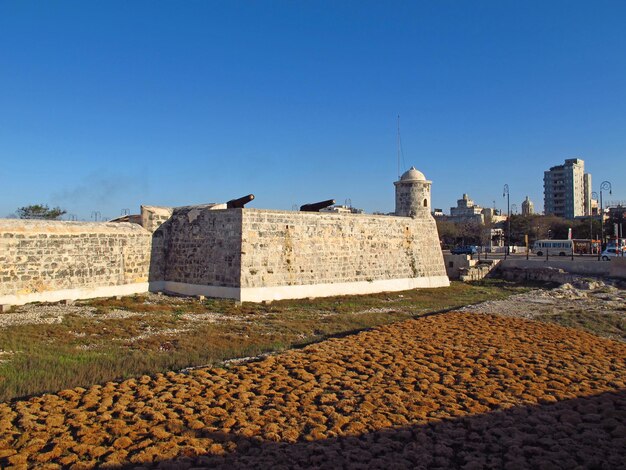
(412, 194)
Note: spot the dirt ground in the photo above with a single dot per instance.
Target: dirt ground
(452, 390)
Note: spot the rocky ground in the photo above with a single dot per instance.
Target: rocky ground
(50, 313)
(593, 296)
(452, 390)
(591, 304)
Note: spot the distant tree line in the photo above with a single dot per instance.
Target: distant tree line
(549, 226)
(460, 233)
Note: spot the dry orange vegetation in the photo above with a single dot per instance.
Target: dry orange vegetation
(456, 390)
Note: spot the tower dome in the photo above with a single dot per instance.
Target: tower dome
(527, 207)
(412, 194)
(412, 175)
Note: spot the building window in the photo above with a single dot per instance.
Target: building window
(425, 202)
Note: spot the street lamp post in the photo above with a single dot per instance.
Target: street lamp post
(604, 186)
(505, 192)
(594, 195)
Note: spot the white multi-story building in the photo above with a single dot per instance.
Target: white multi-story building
(342, 209)
(467, 210)
(567, 190)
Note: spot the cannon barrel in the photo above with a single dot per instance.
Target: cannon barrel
(240, 202)
(316, 206)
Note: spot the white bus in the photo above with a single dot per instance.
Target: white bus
(553, 247)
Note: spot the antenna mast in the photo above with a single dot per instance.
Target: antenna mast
(398, 146)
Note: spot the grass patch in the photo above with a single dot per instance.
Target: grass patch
(173, 333)
(607, 324)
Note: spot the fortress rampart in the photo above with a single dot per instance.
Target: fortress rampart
(240, 253)
(255, 255)
(245, 254)
(54, 260)
(300, 254)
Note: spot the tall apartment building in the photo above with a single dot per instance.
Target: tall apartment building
(567, 190)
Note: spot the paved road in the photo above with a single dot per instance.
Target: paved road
(531, 256)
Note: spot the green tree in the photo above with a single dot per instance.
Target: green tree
(467, 232)
(520, 226)
(586, 228)
(617, 215)
(40, 211)
(539, 227)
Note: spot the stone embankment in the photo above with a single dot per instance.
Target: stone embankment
(456, 390)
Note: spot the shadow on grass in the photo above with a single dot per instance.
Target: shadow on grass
(585, 432)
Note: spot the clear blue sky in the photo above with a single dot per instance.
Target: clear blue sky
(108, 105)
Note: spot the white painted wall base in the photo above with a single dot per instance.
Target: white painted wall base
(249, 294)
(74, 294)
(259, 294)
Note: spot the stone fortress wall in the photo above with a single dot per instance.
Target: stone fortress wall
(239, 253)
(199, 252)
(257, 254)
(55, 260)
(300, 254)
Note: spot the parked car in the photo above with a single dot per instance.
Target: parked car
(464, 250)
(609, 253)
